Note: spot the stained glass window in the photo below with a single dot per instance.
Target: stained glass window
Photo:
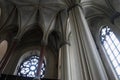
(112, 47)
(28, 67)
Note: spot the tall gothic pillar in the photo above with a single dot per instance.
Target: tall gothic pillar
(91, 67)
(81, 60)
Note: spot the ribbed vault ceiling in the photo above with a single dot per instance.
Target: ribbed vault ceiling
(25, 14)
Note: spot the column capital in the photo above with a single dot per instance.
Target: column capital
(73, 6)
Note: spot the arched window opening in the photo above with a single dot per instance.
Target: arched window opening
(3, 48)
(112, 47)
(28, 68)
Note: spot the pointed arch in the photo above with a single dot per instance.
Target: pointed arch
(32, 35)
(54, 40)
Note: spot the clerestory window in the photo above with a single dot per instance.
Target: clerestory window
(112, 47)
(28, 67)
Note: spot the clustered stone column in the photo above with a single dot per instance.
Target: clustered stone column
(81, 60)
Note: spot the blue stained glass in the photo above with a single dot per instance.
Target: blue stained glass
(28, 67)
(112, 47)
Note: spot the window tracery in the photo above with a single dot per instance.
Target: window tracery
(28, 67)
(112, 47)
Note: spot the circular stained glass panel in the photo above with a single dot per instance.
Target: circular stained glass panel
(28, 67)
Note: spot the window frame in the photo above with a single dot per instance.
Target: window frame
(95, 25)
(105, 51)
(25, 56)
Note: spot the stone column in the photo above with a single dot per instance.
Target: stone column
(41, 58)
(63, 66)
(81, 60)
